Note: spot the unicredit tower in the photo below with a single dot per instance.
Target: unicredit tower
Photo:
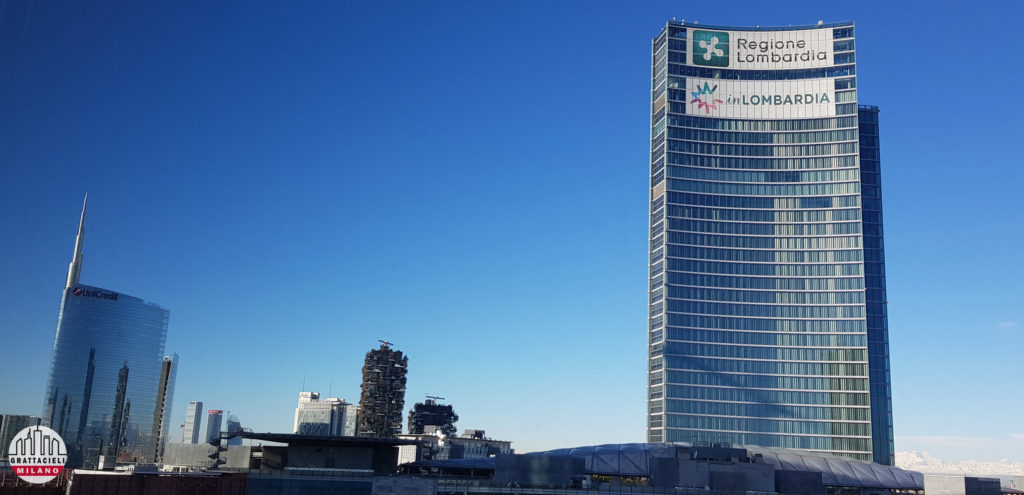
(105, 372)
(767, 321)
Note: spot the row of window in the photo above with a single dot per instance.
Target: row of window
(762, 150)
(771, 215)
(762, 137)
(846, 97)
(739, 393)
(846, 108)
(769, 339)
(842, 256)
(768, 229)
(844, 58)
(801, 243)
(762, 163)
(729, 175)
(767, 325)
(765, 297)
(769, 367)
(764, 269)
(767, 425)
(837, 444)
(771, 353)
(768, 410)
(761, 75)
(838, 188)
(767, 216)
(761, 125)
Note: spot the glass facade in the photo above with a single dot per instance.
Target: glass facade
(767, 321)
(98, 333)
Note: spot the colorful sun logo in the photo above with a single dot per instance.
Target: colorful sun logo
(704, 97)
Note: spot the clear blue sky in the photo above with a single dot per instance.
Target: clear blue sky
(468, 180)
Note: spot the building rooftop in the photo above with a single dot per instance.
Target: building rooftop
(635, 459)
(694, 24)
(292, 438)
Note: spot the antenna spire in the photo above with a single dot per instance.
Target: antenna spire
(75, 268)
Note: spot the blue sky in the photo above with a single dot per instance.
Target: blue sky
(468, 180)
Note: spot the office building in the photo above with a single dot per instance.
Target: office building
(436, 445)
(383, 392)
(213, 421)
(330, 417)
(430, 413)
(193, 422)
(233, 426)
(164, 398)
(10, 425)
(99, 332)
(940, 484)
(767, 317)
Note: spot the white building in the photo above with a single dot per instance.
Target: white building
(329, 417)
(193, 421)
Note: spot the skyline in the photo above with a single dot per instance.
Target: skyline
(189, 151)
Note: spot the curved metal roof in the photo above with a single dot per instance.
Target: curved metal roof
(634, 459)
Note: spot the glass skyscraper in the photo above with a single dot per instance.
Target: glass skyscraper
(102, 391)
(767, 317)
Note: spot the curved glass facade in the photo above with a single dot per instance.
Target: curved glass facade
(767, 323)
(101, 396)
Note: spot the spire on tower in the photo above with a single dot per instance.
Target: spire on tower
(75, 269)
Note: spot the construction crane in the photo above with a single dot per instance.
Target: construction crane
(386, 343)
(434, 397)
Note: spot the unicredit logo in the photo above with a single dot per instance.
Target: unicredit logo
(98, 294)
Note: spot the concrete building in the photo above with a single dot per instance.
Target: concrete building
(383, 392)
(193, 422)
(433, 444)
(937, 484)
(10, 425)
(324, 417)
(767, 309)
(213, 423)
(165, 398)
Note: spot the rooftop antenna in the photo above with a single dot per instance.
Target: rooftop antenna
(75, 268)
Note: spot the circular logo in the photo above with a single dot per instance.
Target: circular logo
(37, 454)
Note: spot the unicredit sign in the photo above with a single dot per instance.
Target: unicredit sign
(98, 294)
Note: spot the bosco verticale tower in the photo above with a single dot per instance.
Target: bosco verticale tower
(767, 322)
(383, 392)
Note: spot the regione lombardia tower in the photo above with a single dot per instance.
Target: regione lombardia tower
(767, 322)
